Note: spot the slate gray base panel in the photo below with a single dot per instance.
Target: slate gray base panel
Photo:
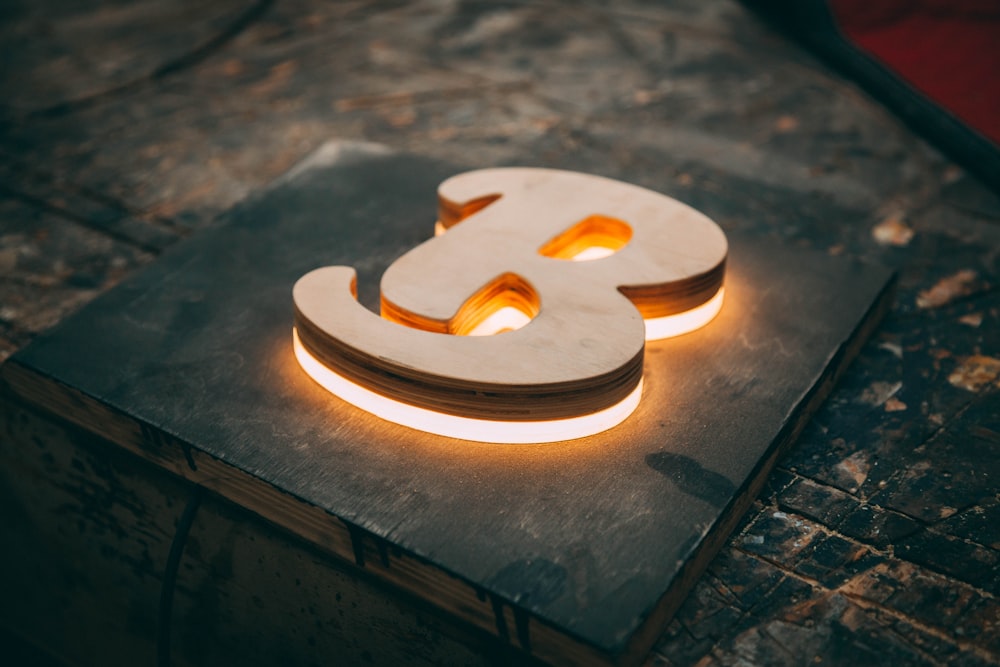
(587, 538)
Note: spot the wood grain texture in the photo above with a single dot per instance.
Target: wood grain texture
(582, 351)
(177, 355)
(105, 561)
(96, 572)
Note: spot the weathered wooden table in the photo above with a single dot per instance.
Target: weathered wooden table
(126, 127)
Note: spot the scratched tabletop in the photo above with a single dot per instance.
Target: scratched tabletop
(126, 126)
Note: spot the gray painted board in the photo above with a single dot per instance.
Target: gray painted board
(574, 551)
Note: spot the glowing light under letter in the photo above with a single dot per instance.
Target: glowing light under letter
(465, 428)
(658, 328)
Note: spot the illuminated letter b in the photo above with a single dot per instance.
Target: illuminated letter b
(572, 273)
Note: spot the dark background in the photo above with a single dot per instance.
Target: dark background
(125, 126)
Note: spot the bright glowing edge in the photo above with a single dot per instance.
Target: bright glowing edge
(506, 319)
(465, 428)
(658, 328)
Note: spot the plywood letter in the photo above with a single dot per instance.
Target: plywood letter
(574, 336)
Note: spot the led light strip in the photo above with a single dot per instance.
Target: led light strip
(465, 428)
(494, 431)
(658, 328)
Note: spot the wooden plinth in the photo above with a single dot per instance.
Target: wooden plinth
(576, 552)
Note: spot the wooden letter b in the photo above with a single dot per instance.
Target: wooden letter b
(526, 318)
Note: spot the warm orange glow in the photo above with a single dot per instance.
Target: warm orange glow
(507, 302)
(593, 252)
(452, 213)
(507, 305)
(658, 328)
(593, 237)
(511, 432)
(479, 430)
(503, 320)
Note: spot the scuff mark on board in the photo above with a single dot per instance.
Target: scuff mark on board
(975, 373)
(947, 289)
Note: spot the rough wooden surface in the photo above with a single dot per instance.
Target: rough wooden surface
(88, 534)
(879, 535)
(590, 543)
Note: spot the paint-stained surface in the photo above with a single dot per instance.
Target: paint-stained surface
(878, 532)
